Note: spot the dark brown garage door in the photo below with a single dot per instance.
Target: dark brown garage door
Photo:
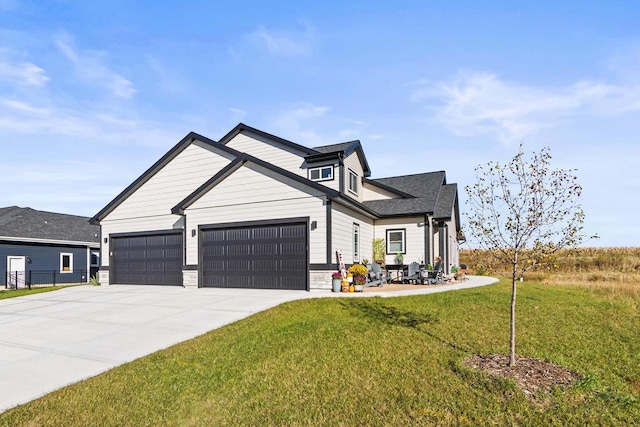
(270, 256)
(147, 259)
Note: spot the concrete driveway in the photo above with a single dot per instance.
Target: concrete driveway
(57, 338)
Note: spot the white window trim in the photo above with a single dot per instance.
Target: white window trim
(356, 242)
(351, 172)
(404, 240)
(62, 255)
(319, 168)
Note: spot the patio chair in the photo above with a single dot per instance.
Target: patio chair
(413, 273)
(377, 277)
(431, 277)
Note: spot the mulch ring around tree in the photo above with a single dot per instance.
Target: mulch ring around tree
(530, 375)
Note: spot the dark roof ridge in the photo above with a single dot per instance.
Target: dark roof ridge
(411, 174)
(345, 143)
(243, 127)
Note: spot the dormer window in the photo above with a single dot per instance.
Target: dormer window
(324, 173)
(353, 182)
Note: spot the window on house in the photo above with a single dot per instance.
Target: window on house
(324, 173)
(95, 259)
(66, 263)
(396, 241)
(353, 182)
(356, 242)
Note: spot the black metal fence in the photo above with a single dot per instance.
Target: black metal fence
(44, 278)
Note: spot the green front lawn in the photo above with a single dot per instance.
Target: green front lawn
(374, 361)
(4, 294)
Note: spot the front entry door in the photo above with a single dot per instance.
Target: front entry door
(15, 272)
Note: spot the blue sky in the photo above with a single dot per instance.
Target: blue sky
(92, 93)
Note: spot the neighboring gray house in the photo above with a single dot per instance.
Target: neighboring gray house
(256, 210)
(45, 247)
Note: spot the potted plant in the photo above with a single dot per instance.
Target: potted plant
(358, 270)
(359, 282)
(336, 281)
(379, 249)
(399, 258)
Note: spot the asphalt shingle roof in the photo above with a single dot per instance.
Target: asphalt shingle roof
(424, 187)
(34, 224)
(446, 201)
(334, 148)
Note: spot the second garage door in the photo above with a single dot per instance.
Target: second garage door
(154, 259)
(266, 256)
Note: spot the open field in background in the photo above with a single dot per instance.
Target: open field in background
(615, 268)
(375, 361)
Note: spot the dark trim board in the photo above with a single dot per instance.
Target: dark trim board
(53, 245)
(147, 233)
(329, 232)
(248, 279)
(324, 267)
(241, 127)
(189, 267)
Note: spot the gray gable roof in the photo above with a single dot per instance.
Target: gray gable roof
(16, 222)
(424, 187)
(418, 185)
(342, 149)
(334, 148)
(431, 196)
(446, 201)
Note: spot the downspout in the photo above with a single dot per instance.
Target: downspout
(341, 173)
(184, 244)
(427, 248)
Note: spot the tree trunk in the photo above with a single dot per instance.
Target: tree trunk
(512, 335)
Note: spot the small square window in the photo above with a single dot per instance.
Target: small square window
(324, 173)
(396, 241)
(353, 182)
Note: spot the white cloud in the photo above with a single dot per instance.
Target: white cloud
(298, 123)
(483, 104)
(89, 66)
(22, 73)
(284, 44)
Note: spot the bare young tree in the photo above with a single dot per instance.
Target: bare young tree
(523, 212)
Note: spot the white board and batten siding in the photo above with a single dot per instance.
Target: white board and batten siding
(253, 193)
(149, 207)
(414, 236)
(342, 219)
(269, 151)
(352, 161)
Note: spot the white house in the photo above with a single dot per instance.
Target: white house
(256, 211)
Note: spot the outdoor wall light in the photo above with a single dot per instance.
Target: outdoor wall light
(106, 239)
(28, 260)
(314, 225)
(193, 232)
